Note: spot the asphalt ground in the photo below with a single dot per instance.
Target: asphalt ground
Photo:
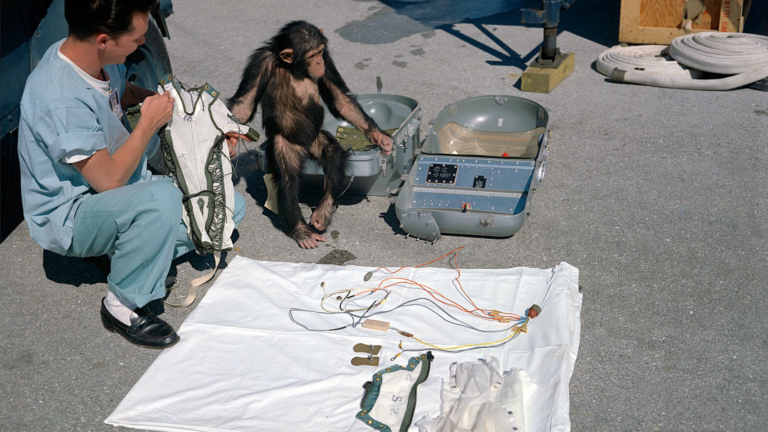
(658, 196)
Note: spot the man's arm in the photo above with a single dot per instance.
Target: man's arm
(134, 94)
(104, 171)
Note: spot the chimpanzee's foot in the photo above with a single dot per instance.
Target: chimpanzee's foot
(321, 217)
(306, 238)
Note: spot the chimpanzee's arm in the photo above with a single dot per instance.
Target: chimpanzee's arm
(341, 103)
(256, 76)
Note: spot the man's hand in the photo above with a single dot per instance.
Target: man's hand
(383, 141)
(156, 111)
(232, 139)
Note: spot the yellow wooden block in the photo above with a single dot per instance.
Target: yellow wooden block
(544, 80)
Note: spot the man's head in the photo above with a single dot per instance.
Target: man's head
(118, 26)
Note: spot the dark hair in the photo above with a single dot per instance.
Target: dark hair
(113, 17)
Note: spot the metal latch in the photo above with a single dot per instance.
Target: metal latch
(383, 163)
(486, 222)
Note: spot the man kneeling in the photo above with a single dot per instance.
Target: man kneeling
(86, 189)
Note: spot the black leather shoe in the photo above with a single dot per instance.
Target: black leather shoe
(146, 331)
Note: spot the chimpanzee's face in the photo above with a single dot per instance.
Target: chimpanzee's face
(315, 62)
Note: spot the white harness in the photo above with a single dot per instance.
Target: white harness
(195, 152)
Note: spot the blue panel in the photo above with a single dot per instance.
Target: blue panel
(494, 204)
(506, 183)
(500, 174)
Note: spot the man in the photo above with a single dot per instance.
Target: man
(86, 190)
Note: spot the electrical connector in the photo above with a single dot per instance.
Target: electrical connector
(534, 311)
(497, 316)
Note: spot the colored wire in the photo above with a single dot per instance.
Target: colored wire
(455, 321)
(354, 294)
(462, 348)
(477, 311)
(357, 319)
(501, 341)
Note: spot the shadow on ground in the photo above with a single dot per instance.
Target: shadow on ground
(593, 20)
(247, 170)
(71, 271)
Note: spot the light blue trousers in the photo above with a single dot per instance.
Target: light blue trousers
(141, 224)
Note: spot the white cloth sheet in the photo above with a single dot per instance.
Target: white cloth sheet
(242, 365)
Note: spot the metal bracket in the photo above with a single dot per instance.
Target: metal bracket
(549, 55)
(541, 161)
(420, 224)
(540, 174)
(367, 348)
(413, 126)
(549, 14)
(500, 99)
(553, 63)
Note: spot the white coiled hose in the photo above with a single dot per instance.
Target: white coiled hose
(645, 58)
(745, 55)
(723, 53)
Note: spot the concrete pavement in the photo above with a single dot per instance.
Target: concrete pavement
(658, 196)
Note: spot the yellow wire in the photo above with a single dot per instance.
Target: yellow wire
(477, 344)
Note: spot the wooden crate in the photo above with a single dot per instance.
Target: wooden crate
(660, 21)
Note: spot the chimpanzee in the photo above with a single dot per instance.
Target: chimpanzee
(289, 76)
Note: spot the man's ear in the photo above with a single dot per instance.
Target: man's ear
(101, 40)
(287, 55)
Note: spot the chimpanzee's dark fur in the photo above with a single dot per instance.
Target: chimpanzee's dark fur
(292, 116)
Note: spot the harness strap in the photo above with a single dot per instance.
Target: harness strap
(192, 292)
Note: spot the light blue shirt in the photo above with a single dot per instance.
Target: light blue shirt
(61, 115)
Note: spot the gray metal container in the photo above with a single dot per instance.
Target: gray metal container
(371, 173)
(462, 183)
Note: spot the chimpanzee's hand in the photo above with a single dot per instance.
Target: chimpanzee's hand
(232, 138)
(383, 141)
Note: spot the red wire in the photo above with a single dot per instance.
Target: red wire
(485, 313)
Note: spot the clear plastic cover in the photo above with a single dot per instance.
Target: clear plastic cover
(457, 139)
